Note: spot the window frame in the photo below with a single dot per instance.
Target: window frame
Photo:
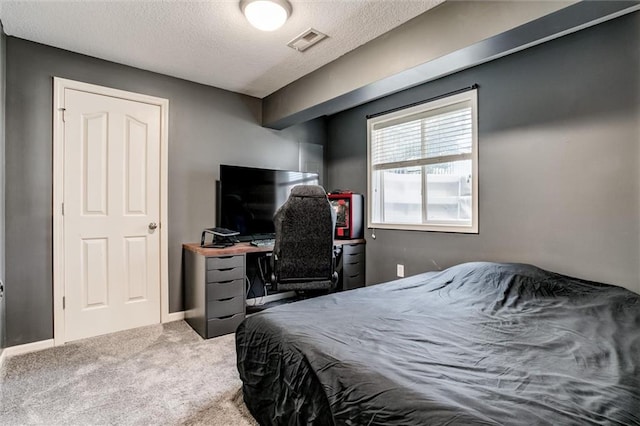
(470, 97)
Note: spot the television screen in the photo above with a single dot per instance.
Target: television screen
(249, 197)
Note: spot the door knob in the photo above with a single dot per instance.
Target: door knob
(153, 226)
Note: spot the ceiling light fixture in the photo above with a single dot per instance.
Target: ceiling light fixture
(266, 15)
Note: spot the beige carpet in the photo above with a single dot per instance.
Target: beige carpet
(157, 375)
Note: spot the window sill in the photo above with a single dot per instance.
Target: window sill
(445, 228)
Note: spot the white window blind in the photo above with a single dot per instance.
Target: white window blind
(423, 166)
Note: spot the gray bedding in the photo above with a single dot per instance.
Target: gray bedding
(479, 343)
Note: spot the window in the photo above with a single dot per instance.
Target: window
(423, 166)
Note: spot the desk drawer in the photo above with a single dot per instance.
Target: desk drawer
(225, 289)
(225, 307)
(352, 249)
(218, 275)
(220, 326)
(224, 262)
(353, 269)
(353, 266)
(352, 280)
(352, 258)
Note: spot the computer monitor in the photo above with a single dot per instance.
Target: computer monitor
(248, 197)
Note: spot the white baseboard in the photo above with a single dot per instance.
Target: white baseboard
(28, 347)
(173, 316)
(46, 344)
(257, 301)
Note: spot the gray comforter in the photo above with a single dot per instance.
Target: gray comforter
(479, 343)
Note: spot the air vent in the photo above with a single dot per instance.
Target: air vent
(306, 40)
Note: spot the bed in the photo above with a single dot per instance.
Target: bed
(478, 343)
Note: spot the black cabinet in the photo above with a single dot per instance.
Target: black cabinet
(353, 266)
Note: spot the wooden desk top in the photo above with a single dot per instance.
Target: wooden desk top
(243, 248)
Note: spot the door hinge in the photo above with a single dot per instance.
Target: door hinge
(64, 302)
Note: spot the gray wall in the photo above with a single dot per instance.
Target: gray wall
(360, 76)
(558, 161)
(207, 126)
(2, 185)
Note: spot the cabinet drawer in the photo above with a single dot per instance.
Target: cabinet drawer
(351, 249)
(351, 258)
(352, 269)
(224, 262)
(217, 275)
(225, 289)
(351, 281)
(225, 307)
(220, 326)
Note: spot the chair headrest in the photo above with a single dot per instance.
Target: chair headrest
(308, 191)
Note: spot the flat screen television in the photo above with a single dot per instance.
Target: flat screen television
(248, 197)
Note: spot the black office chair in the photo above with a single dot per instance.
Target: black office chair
(303, 256)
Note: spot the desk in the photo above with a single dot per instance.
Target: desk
(215, 295)
(244, 248)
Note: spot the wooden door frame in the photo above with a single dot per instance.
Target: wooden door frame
(59, 86)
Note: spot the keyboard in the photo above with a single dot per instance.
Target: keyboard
(263, 243)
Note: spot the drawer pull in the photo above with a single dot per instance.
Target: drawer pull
(225, 282)
(225, 299)
(225, 269)
(225, 317)
(353, 276)
(225, 257)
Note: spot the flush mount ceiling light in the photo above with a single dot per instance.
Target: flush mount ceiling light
(266, 15)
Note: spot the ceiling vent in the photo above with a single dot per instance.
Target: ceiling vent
(306, 40)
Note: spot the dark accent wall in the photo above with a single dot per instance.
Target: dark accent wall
(559, 163)
(2, 186)
(207, 126)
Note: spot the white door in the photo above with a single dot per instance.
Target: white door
(111, 208)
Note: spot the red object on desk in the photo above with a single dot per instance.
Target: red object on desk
(349, 208)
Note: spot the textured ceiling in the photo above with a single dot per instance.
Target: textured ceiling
(208, 42)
